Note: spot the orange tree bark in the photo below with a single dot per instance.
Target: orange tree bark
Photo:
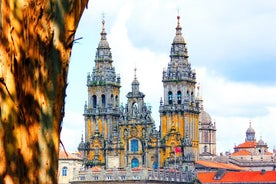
(36, 38)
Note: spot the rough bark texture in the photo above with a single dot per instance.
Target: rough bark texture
(36, 38)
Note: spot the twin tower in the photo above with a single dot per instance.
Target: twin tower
(118, 136)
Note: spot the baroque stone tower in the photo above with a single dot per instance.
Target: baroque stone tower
(116, 136)
(101, 113)
(179, 110)
(207, 132)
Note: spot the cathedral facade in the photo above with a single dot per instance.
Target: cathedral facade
(125, 136)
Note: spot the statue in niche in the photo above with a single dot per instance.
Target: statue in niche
(134, 110)
(125, 133)
(143, 133)
(122, 113)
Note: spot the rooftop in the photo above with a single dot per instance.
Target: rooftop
(218, 165)
(239, 177)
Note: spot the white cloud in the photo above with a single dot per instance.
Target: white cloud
(234, 104)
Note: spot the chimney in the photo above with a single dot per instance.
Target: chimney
(262, 171)
(220, 173)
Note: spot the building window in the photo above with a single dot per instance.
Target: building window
(192, 96)
(64, 171)
(134, 145)
(186, 168)
(112, 100)
(179, 97)
(123, 177)
(94, 101)
(134, 163)
(170, 97)
(116, 101)
(103, 100)
(205, 148)
(155, 165)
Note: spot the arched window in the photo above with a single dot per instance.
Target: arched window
(134, 145)
(94, 101)
(155, 165)
(170, 97)
(205, 149)
(64, 171)
(116, 101)
(103, 100)
(134, 163)
(112, 100)
(179, 97)
(192, 96)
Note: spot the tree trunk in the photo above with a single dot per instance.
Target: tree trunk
(36, 38)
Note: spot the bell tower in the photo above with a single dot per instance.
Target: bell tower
(179, 110)
(101, 112)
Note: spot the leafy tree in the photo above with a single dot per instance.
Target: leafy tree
(36, 38)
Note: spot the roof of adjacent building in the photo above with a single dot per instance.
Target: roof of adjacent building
(218, 165)
(68, 156)
(247, 153)
(249, 144)
(238, 177)
(241, 153)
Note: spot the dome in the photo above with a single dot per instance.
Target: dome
(205, 118)
(261, 142)
(250, 130)
(179, 39)
(135, 82)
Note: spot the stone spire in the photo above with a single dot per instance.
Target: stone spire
(103, 72)
(179, 68)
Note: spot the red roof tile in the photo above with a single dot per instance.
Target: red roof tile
(218, 165)
(241, 153)
(250, 144)
(239, 177)
(96, 169)
(68, 156)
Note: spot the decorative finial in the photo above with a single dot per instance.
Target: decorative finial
(198, 89)
(81, 136)
(135, 69)
(103, 22)
(178, 18)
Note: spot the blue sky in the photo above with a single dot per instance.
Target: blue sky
(231, 45)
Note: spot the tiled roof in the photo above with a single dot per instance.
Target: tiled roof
(218, 165)
(96, 169)
(68, 156)
(241, 153)
(250, 144)
(239, 177)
